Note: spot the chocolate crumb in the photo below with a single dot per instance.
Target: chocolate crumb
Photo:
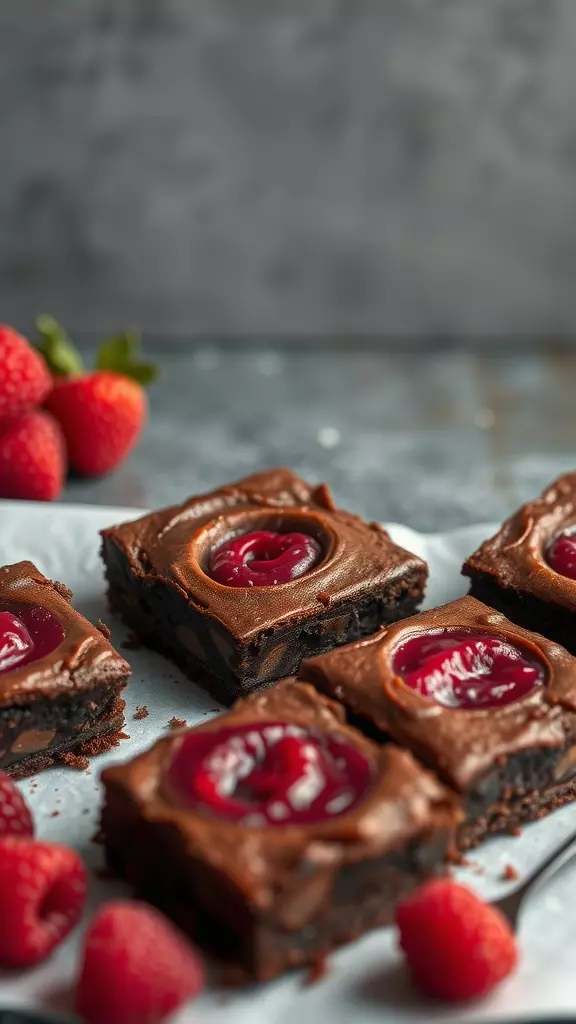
(63, 590)
(55, 814)
(177, 723)
(103, 629)
(516, 831)
(510, 873)
(141, 712)
(323, 597)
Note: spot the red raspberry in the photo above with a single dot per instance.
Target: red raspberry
(137, 968)
(457, 947)
(24, 377)
(32, 457)
(42, 893)
(15, 817)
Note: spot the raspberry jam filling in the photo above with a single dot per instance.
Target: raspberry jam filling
(561, 555)
(270, 773)
(464, 668)
(26, 634)
(263, 558)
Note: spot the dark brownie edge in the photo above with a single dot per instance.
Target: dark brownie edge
(208, 907)
(161, 618)
(95, 717)
(523, 788)
(547, 618)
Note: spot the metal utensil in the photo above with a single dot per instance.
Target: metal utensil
(513, 904)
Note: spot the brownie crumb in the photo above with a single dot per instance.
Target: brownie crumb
(318, 970)
(63, 590)
(103, 628)
(141, 712)
(177, 723)
(324, 598)
(55, 814)
(510, 873)
(516, 832)
(77, 761)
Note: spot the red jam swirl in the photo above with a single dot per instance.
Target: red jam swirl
(26, 634)
(561, 555)
(269, 773)
(465, 668)
(264, 558)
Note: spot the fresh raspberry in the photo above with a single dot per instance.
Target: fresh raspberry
(32, 457)
(137, 968)
(457, 947)
(24, 377)
(15, 817)
(42, 893)
(101, 415)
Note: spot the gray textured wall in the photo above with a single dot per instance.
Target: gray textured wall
(289, 165)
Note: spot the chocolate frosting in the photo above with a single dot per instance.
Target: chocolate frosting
(270, 864)
(83, 659)
(515, 555)
(174, 544)
(460, 744)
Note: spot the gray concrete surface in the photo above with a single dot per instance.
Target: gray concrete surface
(283, 166)
(433, 440)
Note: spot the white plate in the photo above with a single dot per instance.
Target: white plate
(365, 984)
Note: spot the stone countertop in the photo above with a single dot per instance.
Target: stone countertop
(435, 440)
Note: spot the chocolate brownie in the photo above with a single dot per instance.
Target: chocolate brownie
(60, 678)
(528, 569)
(239, 585)
(275, 832)
(488, 705)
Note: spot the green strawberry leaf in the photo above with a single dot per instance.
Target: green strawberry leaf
(58, 350)
(120, 353)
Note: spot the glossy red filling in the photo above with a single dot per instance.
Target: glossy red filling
(464, 668)
(561, 555)
(272, 773)
(26, 634)
(264, 558)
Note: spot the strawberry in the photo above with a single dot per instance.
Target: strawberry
(101, 412)
(457, 947)
(32, 457)
(137, 968)
(42, 894)
(24, 377)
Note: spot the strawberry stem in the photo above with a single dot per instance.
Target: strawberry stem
(60, 354)
(120, 353)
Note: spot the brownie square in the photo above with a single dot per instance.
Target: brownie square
(267, 866)
(60, 678)
(512, 762)
(233, 639)
(511, 571)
